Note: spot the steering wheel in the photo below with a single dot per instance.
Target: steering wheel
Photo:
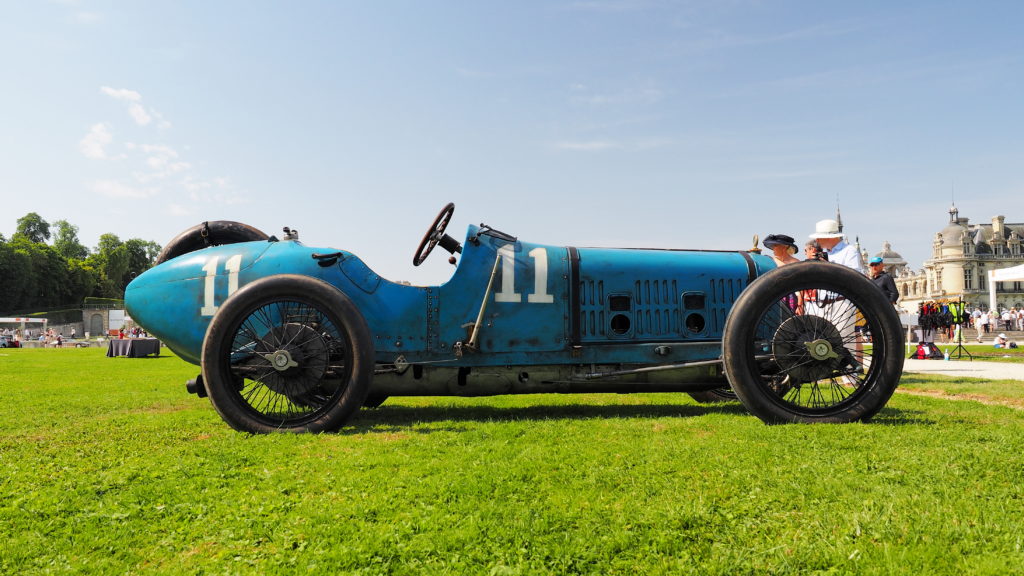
(435, 234)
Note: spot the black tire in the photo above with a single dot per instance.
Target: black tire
(716, 396)
(806, 367)
(213, 233)
(287, 353)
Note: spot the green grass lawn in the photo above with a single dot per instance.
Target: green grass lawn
(107, 466)
(984, 352)
(989, 354)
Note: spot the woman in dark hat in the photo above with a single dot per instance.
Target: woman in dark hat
(783, 247)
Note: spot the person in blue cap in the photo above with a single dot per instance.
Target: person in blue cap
(882, 279)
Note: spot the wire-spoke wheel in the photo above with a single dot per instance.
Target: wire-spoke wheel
(287, 353)
(813, 342)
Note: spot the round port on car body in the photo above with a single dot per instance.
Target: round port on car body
(695, 323)
(620, 324)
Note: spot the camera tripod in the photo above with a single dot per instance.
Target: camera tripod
(960, 350)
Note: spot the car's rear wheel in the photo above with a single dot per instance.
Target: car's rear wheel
(811, 363)
(206, 234)
(287, 353)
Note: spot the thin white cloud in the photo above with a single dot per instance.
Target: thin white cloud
(165, 167)
(610, 6)
(654, 143)
(78, 14)
(115, 189)
(195, 186)
(630, 96)
(161, 160)
(160, 122)
(88, 17)
(717, 40)
(216, 191)
(158, 150)
(178, 210)
(94, 144)
(151, 170)
(121, 94)
(642, 95)
(588, 145)
(599, 145)
(776, 175)
(472, 73)
(159, 156)
(134, 101)
(139, 114)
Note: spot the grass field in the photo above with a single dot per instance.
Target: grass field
(107, 466)
(989, 354)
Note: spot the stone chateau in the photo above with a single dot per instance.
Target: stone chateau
(962, 255)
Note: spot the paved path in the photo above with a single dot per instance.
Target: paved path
(967, 368)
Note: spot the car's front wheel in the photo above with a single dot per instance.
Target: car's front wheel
(796, 345)
(287, 353)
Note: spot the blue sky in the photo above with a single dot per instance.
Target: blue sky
(592, 123)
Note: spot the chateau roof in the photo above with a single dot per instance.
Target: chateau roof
(953, 233)
(888, 253)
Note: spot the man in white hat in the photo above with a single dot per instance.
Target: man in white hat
(827, 233)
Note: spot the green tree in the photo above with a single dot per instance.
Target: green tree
(110, 259)
(141, 256)
(66, 242)
(34, 228)
(82, 280)
(16, 270)
(37, 275)
(41, 274)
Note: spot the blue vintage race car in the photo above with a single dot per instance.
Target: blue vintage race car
(293, 338)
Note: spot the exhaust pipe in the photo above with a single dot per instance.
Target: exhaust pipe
(196, 386)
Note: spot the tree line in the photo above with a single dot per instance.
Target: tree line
(38, 275)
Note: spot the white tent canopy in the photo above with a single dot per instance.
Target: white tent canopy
(1015, 274)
